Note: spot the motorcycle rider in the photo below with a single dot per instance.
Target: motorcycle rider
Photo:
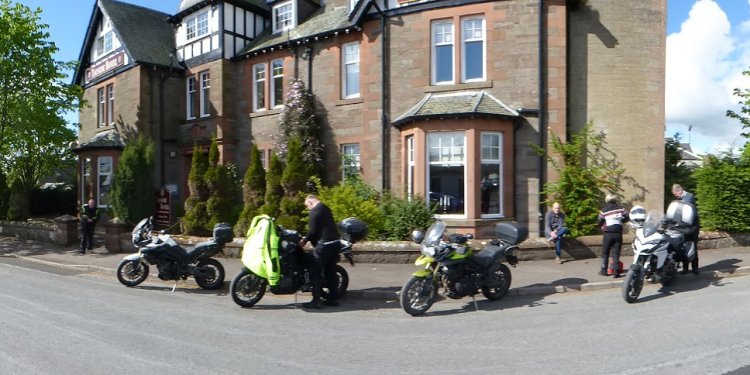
(323, 235)
(89, 216)
(611, 218)
(688, 197)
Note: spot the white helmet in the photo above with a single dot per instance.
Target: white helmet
(637, 215)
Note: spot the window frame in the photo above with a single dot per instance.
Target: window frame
(463, 163)
(190, 96)
(205, 94)
(277, 102)
(106, 182)
(434, 44)
(111, 104)
(258, 107)
(196, 26)
(464, 41)
(410, 166)
(493, 162)
(101, 107)
(345, 150)
(85, 176)
(345, 65)
(276, 13)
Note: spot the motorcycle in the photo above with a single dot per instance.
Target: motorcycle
(172, 261)
(248, 288)
(658, 248)
(450, 263)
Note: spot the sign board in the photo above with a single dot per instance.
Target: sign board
(104, 66)
(163, 209)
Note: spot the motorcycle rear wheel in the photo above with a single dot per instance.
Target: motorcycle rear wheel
(633, 283)
(417, 295)
(214, 279)
(343, 281)
(130, 275)
(500, 278)
(247, 288)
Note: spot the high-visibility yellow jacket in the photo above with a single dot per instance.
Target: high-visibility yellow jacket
(260, 254)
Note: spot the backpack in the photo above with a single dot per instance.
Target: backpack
(260, 253)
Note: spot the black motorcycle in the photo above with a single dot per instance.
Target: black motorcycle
(172, 261)
(247, 288)
(448, 262)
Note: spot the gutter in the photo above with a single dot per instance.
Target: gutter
(386, 131)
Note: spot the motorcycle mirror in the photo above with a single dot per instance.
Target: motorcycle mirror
(417, 236)
(469, 236)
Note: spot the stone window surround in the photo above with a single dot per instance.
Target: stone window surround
(458, 44)
(289, 14)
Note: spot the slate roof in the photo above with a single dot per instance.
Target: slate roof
(323, 21)
(106, 139)
(456, 104)
(145, 33)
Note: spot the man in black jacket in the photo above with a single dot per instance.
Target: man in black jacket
(89, 217)
(323, 235)
(611, 218)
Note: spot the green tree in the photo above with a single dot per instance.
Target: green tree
(33, 98)
(722, 186)
(587, 173)
(220, 189)
(253, 191)
(4, 195)
(744, 116)
(675, 172)
(196, 213)
(299, 119)
(293, 180)
(274, 191)
(132, 195)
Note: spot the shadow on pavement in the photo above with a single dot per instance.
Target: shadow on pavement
(691, 282)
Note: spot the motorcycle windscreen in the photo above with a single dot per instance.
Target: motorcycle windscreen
(652, 223)
(434, 233)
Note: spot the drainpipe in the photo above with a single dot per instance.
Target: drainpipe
(542, 134)
(309, 53)
(386, 131)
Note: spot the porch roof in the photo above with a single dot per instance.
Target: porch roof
(108, 139)
(456, 104)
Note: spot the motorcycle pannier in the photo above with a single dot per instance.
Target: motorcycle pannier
(352, 229)
(223, 233)
(511, 232)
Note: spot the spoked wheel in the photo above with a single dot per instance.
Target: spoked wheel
(499, 282)
(418, 295)
(211, 274)
(247, 288)
(132, 273)
(633, 283)
(343, 283)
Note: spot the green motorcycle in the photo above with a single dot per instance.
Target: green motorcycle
(450, 263)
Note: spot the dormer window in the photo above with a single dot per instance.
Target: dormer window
(197, 26)
(104, 39)
(283, 16)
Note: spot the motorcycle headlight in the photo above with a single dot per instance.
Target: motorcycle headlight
(429, 251)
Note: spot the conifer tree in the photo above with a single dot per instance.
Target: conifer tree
(253, 191)
(299, 119)
(132, 195)
(295, 176)
(196, 214)
(274, 191)
(219, 203)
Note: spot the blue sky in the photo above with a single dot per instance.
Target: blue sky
(707, 49)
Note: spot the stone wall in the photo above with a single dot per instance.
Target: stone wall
(62, 231)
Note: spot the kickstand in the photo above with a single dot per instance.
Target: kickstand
(296, 305)
(175, 285)
(476, 307)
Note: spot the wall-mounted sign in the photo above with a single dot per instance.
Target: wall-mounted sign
(163, 209)
(101, 67)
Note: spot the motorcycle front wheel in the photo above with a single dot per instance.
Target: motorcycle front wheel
(499, 281)
(417, 295)
(343, 283)
(211, 274)
(247, 288)
(131, 273)
(633, 283)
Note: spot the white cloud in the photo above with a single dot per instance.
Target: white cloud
(705, 60)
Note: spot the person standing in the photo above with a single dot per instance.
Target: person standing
(687, 197)
(322, 234)
(555, 229)
(89, 216)
(611, 218)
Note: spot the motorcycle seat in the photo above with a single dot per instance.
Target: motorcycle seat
(201, 247)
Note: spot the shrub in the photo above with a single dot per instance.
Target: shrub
(196, 215)
(293, 180)
(253, 191)
(345, 199)
(219, 184)
(4, 195)
(274, 191)
(53, 199)
(18, 202)
(723, 183)
(402, 216)
(299, 120)
(132, 193)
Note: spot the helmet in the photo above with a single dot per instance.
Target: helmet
(638, 215)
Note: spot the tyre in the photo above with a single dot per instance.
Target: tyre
(670, 274)
(633, 283)
(418, 295)
(132, 273)
(210, 274)
(247, 288)
(499, 282)
(343, 278)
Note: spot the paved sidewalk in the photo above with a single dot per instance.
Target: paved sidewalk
(383, 281)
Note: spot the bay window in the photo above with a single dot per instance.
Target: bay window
(491, 174)
(446, 159)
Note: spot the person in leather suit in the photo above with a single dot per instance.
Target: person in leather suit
(323, 235)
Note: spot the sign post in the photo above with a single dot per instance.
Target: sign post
(163, 212)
